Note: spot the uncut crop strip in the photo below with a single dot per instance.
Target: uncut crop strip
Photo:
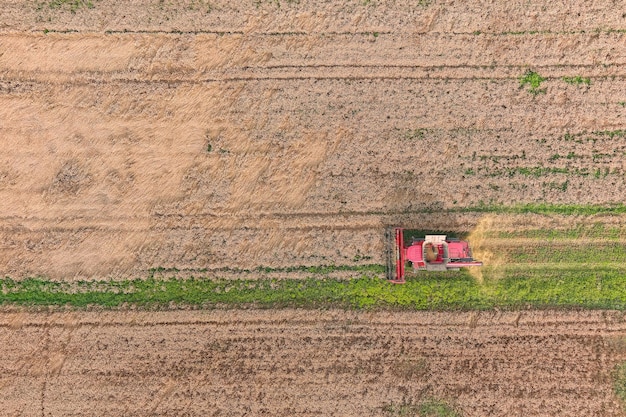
(598, 288)
(546, 256)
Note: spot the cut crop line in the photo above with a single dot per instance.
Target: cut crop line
(225, 32)
(442, 66)
(374, 66)
(151, 229)
(275, 325)
(215, 323)
(88, 81)
(72, 79)
(371, 77)
(594, 31)
(148, 320)
(299, 318)
(563, 209)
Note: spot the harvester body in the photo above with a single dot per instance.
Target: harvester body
(430, 253)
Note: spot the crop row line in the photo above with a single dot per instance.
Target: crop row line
(524, 208)
(539, 171)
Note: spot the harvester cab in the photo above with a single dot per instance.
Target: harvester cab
(428, 253)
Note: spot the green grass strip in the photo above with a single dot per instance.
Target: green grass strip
(599, 252)
(528, 208)
(598, 288)
(544, 208)
(592, 231)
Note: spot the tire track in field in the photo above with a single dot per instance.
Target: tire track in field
(148, 55)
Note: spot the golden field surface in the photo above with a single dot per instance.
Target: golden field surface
(203, 135)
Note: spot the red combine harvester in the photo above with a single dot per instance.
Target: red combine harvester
(430, 253)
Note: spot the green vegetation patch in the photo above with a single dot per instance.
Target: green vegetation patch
(589, 231)
(518, 287)
(427, 408)
(72, 5)
(539, 171)
(277, 3)
(568, 252)
(619, 382)
(546, 208)
(534, 81)
(536, 171)
(594, 288)
(434, 408)
(577, 80)
(594, 136)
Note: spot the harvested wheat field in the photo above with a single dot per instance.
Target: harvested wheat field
(233, 165)
(294, 362)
